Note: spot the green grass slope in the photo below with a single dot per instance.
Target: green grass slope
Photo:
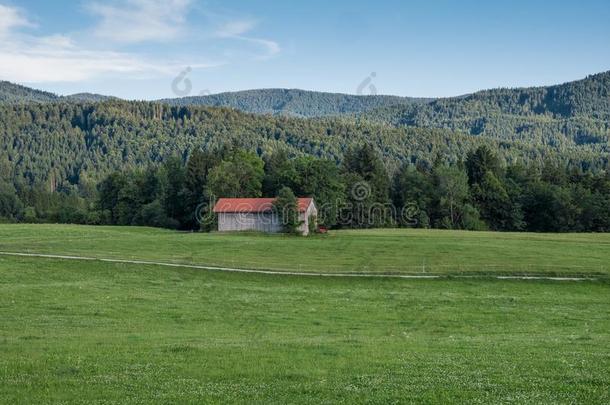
(90, 332)
(400, 251)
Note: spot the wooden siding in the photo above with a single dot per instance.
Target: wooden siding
(261, 222)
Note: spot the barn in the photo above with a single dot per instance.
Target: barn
(257, 214)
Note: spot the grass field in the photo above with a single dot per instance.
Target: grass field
(381, 251)
(97, 332)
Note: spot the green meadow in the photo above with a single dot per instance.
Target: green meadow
(75, 331)
(374, 251)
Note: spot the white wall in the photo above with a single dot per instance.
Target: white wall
(261, 222)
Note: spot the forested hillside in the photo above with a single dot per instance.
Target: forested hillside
(562, 116)
(11, 93)
(86, 98)
(296, 103)
(58, 143)
(541, 161)
(559, 116)
(14, 93)
(574, 113)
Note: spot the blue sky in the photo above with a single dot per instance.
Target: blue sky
(137, 48)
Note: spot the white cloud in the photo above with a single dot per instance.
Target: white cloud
(271, 47)
(239, 29)
(53, 63)
(10, 18)
(57, 40)
(58, 58)
(135, 21)
(30, 58)
(235, 28)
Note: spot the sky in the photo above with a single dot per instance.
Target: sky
(149, 49)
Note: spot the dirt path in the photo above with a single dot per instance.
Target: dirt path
(288, 273)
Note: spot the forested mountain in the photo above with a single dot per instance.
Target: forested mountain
(561, 116)
(14, 93)
(86, 98)
(11, 93)
(59, 143)
(578, 110)
(297, 103)
(57, 139)
(569, 114)
(537, 161)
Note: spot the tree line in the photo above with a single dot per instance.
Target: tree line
(60, 145)
(477, 193)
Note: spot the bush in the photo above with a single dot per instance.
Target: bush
(30, 216)
(153, 214)
(11, 207)
(471, 219)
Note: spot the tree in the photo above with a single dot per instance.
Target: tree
(173, 176)
(413, 187)
(365, 162)
(109, 193)
(495, 205)
(129, 203)
(489, 192)
(280, 172)
(549, 208)
(367, 189)
(595, 214)
(287, 209)
(320, 179)
(197, 169)
(153, 214)
(11, 207)
(151, 185)
(241, 176)
(481, 162)
(6, 171)
(454, 210)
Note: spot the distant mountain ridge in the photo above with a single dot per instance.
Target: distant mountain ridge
(573, 113)
(11, 93)
(589, 96)
(295, 102)
(59, 140)
(14, 93)
(577, 112)
(87, 97)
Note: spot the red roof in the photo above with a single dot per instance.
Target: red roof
(253, 205)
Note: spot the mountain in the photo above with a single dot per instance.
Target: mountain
(588, 98)
(87, 98)
(46, 138)
(14, 93)
(59, 144)
(574, 113)
(11, 93)
(293, 102)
